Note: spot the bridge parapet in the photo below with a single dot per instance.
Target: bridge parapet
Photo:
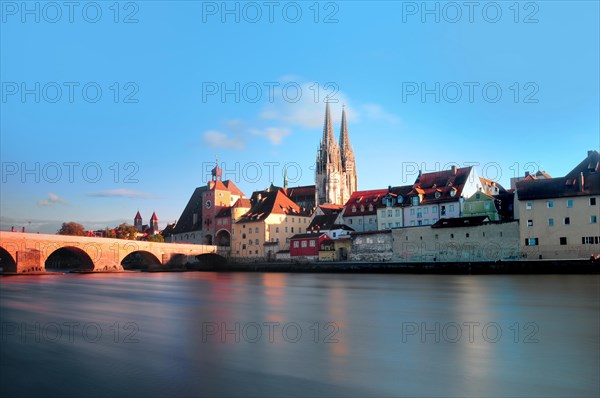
(27, 252)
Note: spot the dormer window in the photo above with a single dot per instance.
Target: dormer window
(437, 194)
(370, 207)
(452, 193)
(400, 199)
(353, 209)
(362, 208)
(415, 200)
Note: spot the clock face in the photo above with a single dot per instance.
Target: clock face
(208, 204)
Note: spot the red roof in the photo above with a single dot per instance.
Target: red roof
(154, 217)
(270, 201)
(364, 202)
(233, 189)
(138, 216)
(438, 186)
(242, 202)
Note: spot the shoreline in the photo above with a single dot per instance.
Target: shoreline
(442, 268)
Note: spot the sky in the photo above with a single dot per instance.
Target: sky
(110, 107)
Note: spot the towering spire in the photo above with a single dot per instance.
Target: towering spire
(285, 178)
(328, 135)
(345, 147)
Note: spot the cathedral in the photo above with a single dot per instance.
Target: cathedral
(336, 167)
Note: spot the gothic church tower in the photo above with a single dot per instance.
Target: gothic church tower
(336, 167)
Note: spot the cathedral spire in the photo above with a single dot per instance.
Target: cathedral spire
(345, 147)
(328, 135)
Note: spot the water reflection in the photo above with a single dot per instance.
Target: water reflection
(274, 334)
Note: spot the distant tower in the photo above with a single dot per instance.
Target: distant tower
(137, 222)
(350, 182)
(335, 178)
(217, 173)
(285, 178)
(154, 222)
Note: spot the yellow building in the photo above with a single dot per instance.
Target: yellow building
(559, 217)
(266, 228)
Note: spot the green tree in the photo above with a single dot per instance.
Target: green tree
(126, 231)
(156, 238)
(72, 228)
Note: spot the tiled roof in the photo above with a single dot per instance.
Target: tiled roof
(307, 190)
(267, 202)
(232, 188)
(583, 180)
(443, 182)
(309, 235)
(224, 212)
(559, 187)
(364, 202)
(194, 205)
(242, 203)
(138, 216)
(331, 208)
(323, 222)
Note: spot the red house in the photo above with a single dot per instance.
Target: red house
(307, 245)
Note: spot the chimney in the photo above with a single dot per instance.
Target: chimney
(581, 181)
(526, 174)
(454, 170)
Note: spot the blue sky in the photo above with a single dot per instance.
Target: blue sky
(146, 141)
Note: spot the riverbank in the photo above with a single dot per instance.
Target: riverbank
(497, 267)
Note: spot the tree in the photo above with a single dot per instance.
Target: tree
(126, 231)
(72, 228)
(155, 238)
(110, 233)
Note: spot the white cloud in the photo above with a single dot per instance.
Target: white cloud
(122, 193)
(217, 139)
(273, 134)
(51, 201)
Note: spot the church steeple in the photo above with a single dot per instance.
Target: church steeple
(345, 147)
(328, 134)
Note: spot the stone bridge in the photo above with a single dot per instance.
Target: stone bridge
(28, 252)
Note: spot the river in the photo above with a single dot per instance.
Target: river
(277, 334)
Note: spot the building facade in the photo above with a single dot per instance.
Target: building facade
(559, 217)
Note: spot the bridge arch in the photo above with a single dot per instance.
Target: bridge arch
(7, 262)
(67, 258)
(211, 260)
(140, 260)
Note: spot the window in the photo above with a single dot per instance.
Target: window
(412, 223)
(592, 201)
(312, 243)
(569, 203)
(419, 213)
(286, 229)
(250, 241)
(528, 205)
(362, 208)
(397, 225)
(593, 219)
(437, 236)
(451, 209)
(256, 229)
(293, 219)
(244, 246)
(563, 240)
(420, 222)
(530, 223)
(360, 221)
(434, 220)
(371, 220)
(383, 213)
(353, 209)
(467, 235)
(443, 211)
(397, 212)
(451, 236)
(434, 210)
(243, 236)
(415, 200)
(219, 222)
(426, 222)
(335, 234)
(549, 204)
(256, 242)
(567, 220)
(452, 193)
(531, 242)
(303, 243)
(487, 206)
(412, 212)
(350, 221)
(437, 194)
(551, 222)
(389, 213)
(277, 229)
(370, 207)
